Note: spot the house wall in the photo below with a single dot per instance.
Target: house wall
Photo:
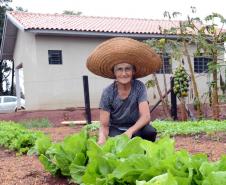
(65, 82)
(61, 86)
(25, 52)
(57, 86)
(202, 79)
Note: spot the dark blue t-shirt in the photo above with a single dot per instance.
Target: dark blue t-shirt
(123, 112)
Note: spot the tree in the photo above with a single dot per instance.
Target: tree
(71, 12)
(3, 8)
(184, 39)
(21, 9)
(5, 66)
(209, 38)
(5, 3)
(4, 81)
(160, 47)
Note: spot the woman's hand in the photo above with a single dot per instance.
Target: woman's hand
(128, 133)
(104, 128)
(142, 121)
(101, 141)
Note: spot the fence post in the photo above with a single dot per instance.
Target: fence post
(86, 98)
(173, 100)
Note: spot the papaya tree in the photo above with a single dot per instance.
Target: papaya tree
(159, 45)
(173, 48)
(184, 38)
(210, 37)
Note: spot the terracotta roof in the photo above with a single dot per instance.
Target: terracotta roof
(89, 23)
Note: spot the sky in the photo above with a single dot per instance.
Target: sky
(148, 9)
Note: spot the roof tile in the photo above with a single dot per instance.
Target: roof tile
(89, 23)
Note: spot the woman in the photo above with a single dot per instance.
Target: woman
(124, 105)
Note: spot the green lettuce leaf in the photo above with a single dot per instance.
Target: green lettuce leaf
(164, 179)
(215, 178)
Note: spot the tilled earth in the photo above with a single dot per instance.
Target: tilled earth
(27, 170)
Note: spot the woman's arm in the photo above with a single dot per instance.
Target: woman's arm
(143, 120)
(104, 126)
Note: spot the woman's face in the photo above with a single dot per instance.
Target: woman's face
(124, 73)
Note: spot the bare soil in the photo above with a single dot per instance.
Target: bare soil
(27, 170)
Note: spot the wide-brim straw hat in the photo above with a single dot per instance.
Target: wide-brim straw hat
(123, 50)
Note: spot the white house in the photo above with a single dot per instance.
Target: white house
(52, 50)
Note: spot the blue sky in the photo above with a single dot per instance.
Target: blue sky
(150, 9)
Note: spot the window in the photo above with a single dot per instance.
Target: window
(55, 56)
(167, 65)
(201, 64)
(9, 99)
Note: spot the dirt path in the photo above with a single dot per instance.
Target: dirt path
(213, 145)
(24, 170)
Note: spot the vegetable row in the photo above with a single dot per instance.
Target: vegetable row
(124, 161)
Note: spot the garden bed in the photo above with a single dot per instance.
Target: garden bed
(24, 169)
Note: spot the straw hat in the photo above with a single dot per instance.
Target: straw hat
(123, 50)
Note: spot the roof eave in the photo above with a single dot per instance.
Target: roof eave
(8, 36)
(14, 21)
(99, 34)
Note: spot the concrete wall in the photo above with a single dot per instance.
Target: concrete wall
(57, 86)
(25, 52)
(61, 86)
(202, 80)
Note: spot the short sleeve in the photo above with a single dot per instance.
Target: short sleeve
(105, 101)
(142, 93)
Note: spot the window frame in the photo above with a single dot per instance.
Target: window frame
(167, 64)
(201, 64)
(53, 58)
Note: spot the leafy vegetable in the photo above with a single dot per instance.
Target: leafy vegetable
(124, 161)
(120, 160)
(16, 137)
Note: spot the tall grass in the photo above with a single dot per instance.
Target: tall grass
(36, 123)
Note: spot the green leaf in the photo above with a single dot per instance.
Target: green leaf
(116, 144)
(164, 179)
(222, 163)
(132, 147)
(42, 144)
(100, 168)
(215, 178)
(75, 143)
(91, 173)
(132, 167)
(159, 150)
(93, 150)
(48, 164)
(78, 167)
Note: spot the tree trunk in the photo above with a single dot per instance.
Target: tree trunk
(165, 84)
(165, 107)
(215, 103)
(12, 81)
(196, 93)
(183, 111)
(1, 78)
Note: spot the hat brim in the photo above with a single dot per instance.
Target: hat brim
(123, 50)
